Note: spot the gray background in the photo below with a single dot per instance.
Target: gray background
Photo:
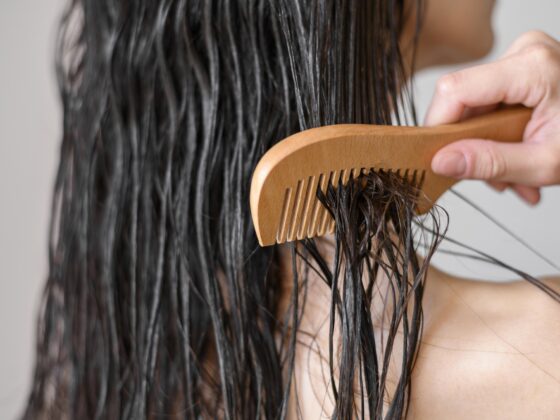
(29, 139)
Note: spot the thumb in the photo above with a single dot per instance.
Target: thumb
(491, 161)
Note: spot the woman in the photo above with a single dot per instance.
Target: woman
(159, 303)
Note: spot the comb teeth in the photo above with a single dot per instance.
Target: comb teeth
(304, 216)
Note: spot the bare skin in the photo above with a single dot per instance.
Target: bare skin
(529, 74)
(453, 32)
(488, 351)
(491, 350)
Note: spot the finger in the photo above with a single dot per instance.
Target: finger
(512, 80)
(528, 39)
(530, 195)
(498, 185)
(520, 163)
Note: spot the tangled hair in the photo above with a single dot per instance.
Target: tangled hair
(375, 250)
(159, 302)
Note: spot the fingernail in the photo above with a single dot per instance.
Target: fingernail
(451, 164)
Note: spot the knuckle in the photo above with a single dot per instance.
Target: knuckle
(497, 166)
(488, 164)
(543, 61)
(541, 54)
(447, 84)
(534, 35)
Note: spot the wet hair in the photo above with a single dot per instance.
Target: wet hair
(159, 303)
(377, 283)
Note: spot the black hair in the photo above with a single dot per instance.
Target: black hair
(159, 301)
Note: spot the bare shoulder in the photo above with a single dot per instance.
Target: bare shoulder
(489, 350)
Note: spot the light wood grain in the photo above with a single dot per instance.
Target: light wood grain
(283, 199)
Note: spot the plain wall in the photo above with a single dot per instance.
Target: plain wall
(29, 141)
(29, 138)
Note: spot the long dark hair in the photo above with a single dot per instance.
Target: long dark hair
(159, 301)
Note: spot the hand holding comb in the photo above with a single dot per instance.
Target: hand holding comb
(284, 204)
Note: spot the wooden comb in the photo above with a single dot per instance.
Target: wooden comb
(284, 204)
